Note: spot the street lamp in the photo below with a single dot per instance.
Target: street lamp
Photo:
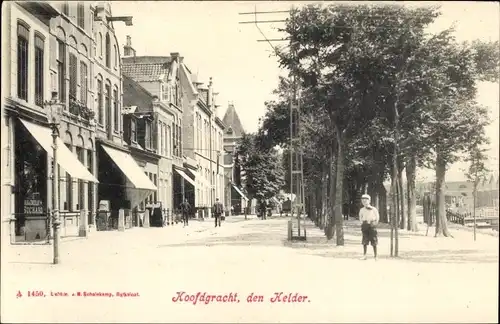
(54, 113)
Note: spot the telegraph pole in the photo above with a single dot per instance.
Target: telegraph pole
(296, 157)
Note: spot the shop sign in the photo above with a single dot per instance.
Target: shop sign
(33, 205)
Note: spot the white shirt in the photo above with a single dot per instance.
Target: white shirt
(369, 214)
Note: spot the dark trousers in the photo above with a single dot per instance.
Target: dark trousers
(217, 220)
(369, 232)
(185, 219)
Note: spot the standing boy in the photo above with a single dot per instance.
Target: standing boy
(369, 217)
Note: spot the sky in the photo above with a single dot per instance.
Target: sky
(214, 44)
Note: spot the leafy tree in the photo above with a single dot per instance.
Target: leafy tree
(477, 171)
(264, 173)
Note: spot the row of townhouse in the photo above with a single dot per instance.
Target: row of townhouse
(139, 132)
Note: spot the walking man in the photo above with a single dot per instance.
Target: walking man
(217, 210)
(185, 209)
(369, 217)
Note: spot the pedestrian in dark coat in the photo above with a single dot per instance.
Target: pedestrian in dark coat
(185, 210)
(217, 210)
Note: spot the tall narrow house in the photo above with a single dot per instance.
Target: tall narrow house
(234, 175)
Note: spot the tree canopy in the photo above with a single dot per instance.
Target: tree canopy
(378, 93)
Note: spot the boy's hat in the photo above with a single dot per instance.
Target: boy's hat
(365, 196)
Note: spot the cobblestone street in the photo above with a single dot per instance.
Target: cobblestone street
(244, 257)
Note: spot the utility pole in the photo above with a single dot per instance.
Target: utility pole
(296, 157)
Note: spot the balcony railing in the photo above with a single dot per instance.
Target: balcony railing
(79, 109)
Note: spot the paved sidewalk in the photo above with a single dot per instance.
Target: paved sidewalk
(435, 279)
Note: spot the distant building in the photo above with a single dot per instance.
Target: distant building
(157, 76)
(234, 175)
(461, 193)
(203, 141)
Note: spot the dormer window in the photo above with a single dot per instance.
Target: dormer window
(229, 130)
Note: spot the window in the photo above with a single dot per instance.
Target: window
(80, 15)
(116, 56)
(116, 115)
(165, 139)
(147, 136)
(155, 199)
(81, 156)
(72, 76)
(160, 138)
(100, 44)
(180, 140)
(99, 103)
(169, 142)
(39, 50)
(108, 51)
(65, 8)
(61, 69)
(23, 35)
(174, 139)
(68, 190)
(177, 94)
(164, 92)
(133, 132)
(90, 186)
(83, 82)
(151, 195)
(108, 106)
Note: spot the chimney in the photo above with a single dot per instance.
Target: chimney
(174, 55)
(210, 94)
(128, 50)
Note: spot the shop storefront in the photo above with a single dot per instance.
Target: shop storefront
(32, 185)
(184, 188)
(122, 182)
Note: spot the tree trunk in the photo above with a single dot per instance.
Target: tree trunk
(339, 219)
(441, 222)
(402, 224)
(330, 228)
(395, 209)
(324, 197)
(382, 193)
(411, 167)
(310, 206)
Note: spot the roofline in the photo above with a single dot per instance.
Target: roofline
(220, 122)
(139, 85)
(204, 107)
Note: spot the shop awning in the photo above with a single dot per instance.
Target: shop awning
(65, 158)
(134, 173)
(240, 192)
(198, 177)
(186, 177)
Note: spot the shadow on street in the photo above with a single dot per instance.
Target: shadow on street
(275, 234)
